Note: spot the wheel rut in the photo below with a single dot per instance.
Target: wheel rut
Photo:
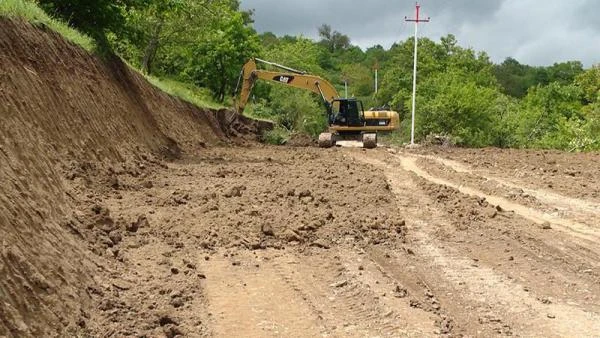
(478, 294)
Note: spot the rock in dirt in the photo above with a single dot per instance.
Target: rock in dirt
(321, 243)
(267, 229)
(235, 191)
(172, 331)
(177, 302)
(112, 252)
(114, 182)
(292, 236)
(446, 325)
(546, 226)
(166, 320)
(115, 236)
(305, 193)
(340, 284)
(491, 212)
(121, 285)
(400, 292)
(141, 222)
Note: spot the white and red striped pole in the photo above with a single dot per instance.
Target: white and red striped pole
(417, 20)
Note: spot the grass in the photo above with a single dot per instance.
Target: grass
(200, 97)
(277, 136)
(31, 12)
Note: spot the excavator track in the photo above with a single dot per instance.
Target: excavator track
(369, 140)
(326, 140)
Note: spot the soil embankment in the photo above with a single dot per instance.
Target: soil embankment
(69, 116)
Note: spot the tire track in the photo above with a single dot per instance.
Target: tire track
(544, 196)
(346, 304)
(504, 304)
(576, 229)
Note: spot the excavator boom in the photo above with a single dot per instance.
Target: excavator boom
(292, 78)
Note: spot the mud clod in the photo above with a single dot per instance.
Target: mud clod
(235, 191)
(267, 229)
(400, 292)
(321, 243)
(115, 236)
(292, 236)
(340, 284)
(142, 222)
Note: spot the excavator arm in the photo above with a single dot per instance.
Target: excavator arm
(291, 77)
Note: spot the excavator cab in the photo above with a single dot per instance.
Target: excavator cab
(347, 112)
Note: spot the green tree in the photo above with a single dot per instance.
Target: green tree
(544, 113)
(301, 53)
(589, 82)
(454, 104)
(564, 72)
(215, 61)
(333, 40)
(360, 79)
(95, 18)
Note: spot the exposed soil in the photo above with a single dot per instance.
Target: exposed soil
(126, 212)
(65, 113)
(301, 140)
(208, 221)
(573, 174)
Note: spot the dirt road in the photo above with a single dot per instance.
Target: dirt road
(301, 242)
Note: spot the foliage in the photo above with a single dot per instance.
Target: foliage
(333, 40)
(94, 18)
(589, 82)
(34, 14)
(215, 61)
(201, 97)
(516, 78)
(301, 53)
(276, 136)
(456, 105)
(544, 113)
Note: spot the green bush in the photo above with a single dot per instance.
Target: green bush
(277, 136)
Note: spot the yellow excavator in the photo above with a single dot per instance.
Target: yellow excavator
(346, 116)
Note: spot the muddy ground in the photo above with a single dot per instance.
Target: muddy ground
(278, 241)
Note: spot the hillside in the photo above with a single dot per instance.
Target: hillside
(69, 117)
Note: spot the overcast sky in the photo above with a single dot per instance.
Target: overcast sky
(536, 32)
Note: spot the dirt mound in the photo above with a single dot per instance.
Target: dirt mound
(463, 210)
(164, 228)
(301, 140)
(66, 116)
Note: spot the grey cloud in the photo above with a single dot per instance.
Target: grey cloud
(533, 31)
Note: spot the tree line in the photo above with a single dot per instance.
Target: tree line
(462, 94)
